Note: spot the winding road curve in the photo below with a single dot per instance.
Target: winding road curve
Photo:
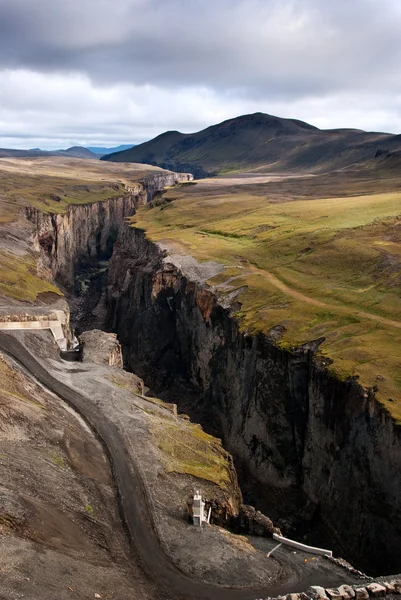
(133, 497)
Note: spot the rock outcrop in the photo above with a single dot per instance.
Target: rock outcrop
(254, 522)
(101, 348)
(379, 589)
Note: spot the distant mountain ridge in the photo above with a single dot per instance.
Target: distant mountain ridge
(91, 152)
(103, 150)
(259, 142)
(73, 152)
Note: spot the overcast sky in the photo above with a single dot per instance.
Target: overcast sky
(104, 72)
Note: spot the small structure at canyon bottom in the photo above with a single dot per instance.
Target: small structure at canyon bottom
(199, 513)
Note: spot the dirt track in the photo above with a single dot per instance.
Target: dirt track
(134, 501)
(286, 289)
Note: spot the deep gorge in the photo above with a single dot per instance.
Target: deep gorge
(306, 445)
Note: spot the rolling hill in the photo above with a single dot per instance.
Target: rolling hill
(260, 142)
(78, 152)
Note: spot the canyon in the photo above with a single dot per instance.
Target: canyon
(292, 428)
(200, 300)
(318, 454)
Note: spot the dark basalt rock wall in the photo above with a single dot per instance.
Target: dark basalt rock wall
(298, 435)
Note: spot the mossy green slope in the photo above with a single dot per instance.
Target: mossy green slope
(187, 449)
(19, 279)
(53, 184)
(325, 267)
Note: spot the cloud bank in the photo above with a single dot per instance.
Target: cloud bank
(111, 71)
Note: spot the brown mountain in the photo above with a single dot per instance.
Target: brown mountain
(260, 142)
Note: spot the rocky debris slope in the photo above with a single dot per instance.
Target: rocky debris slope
(377, 589)
(60, 531)
(298, 434)
(175, 457)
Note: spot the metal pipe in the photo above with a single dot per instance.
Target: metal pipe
(274, 549)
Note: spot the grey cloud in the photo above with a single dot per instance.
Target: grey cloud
(260, 48)
(117, 71)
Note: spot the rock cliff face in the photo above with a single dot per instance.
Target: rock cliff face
(88, 231)
(297, 433)
(83, 232)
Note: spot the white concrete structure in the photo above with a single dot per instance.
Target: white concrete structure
(302, 547)
(56, 321)
(198, 510)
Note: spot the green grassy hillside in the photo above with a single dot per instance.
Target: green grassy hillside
(53, 183)
(262, 143)
(317, 256)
